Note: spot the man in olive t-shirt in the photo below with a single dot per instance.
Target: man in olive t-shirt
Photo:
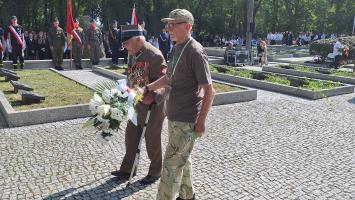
(189, 97)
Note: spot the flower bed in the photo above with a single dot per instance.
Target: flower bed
(313, 72)
(303, 87)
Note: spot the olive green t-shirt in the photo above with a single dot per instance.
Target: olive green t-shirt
(192, 71)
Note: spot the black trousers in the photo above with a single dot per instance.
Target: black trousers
(124, 54)
(115, 55)
(17, 53)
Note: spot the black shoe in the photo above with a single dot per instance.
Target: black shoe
(149, 180)
(80, 67)
(15, 66)
(21, 66)
(193, 198)
(59, 68)
(121, 175)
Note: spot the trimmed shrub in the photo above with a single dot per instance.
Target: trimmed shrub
(324, 47)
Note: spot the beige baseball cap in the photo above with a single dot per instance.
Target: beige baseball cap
(181, 15)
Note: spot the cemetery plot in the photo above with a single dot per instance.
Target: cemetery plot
(41, 96)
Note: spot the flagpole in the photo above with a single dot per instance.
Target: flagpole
(71, 56)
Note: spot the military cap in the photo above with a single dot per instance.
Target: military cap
(181, 15)
(130, 31)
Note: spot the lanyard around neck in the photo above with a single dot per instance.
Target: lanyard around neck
(177, 62)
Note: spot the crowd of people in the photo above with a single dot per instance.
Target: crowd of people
(303, 38)
(38, 45)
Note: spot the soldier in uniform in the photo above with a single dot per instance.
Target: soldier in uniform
(115, 42)
(94, 39)
(56, 39)
(77, 45)
(17, 42)
(146, 64)
(2, 45)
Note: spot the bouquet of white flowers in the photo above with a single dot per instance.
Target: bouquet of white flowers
(112, 104)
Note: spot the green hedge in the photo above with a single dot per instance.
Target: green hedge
(324, 47)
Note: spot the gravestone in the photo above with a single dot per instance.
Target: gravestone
(8, 70)
(3, 70)
(31, 97)
(10, 76)
(19, 86)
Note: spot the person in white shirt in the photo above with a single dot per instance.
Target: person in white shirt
(337, 53)
(323, 36)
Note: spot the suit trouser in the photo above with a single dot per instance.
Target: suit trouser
(176, 177)
(115, 54)
(152, 141)
(17, 53)
(57, 56)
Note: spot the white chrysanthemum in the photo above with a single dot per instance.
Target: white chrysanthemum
(95, 103)
(116, 114)
(107, 96)
(105, 123)
(116, 92)
(103, 110)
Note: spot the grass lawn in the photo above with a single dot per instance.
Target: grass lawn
(219, 87)
(57, 90)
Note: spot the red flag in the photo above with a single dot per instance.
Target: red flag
(70, 20)
(134, 17)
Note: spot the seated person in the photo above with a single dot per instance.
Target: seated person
(229, 47)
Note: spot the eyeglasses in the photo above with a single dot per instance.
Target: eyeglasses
(172, 25)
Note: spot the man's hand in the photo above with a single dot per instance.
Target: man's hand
(51, 47)
(148, 98)
(200, 127)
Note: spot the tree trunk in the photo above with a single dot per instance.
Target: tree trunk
(249, 21)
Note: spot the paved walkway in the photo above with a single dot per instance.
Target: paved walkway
(277, 147)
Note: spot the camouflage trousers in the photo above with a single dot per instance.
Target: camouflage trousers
(176, 176)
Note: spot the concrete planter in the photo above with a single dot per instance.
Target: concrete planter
(310, 75)
(345, 89)
(220, 99)
(243, 95)
(39, 116)
(43, 115)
